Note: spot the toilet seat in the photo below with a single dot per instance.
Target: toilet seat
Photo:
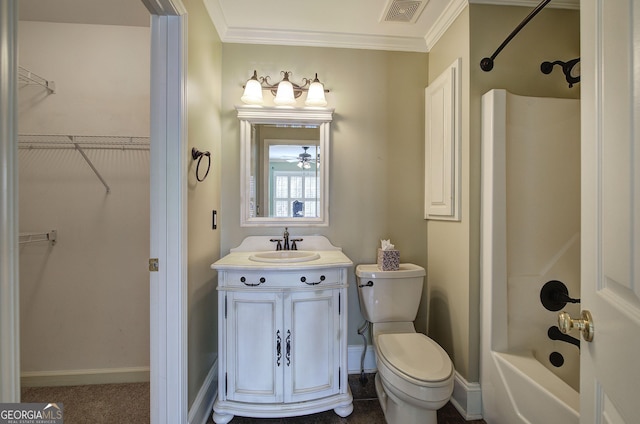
(416, 357)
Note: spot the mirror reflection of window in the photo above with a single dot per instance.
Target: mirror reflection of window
(293, 179)
(286, 150)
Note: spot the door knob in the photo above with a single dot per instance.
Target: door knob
(584, 324)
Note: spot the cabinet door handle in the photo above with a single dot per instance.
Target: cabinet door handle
(288, 355)
(278, 348)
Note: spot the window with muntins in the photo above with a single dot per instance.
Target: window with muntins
(295, 195)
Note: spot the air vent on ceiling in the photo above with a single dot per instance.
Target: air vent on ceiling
(403, 10)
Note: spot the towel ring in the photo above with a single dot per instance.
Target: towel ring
(197, 154)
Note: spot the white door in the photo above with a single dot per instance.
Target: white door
(255, 351)
(312, 346)
(610, 91)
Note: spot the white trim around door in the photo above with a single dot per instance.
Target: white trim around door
(9, 253)
(168, 244)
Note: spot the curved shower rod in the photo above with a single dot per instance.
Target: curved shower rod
(486, 64)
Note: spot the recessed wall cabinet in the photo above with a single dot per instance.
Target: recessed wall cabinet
(282, 336)
(442, 146)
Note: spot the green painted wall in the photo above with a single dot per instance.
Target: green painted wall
(204, 133)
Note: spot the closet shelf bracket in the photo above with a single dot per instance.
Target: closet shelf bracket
(28, 77)
(93, 168)
(51, 237)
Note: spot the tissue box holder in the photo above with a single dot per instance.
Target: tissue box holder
(388, 260)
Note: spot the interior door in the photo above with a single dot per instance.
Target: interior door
(610, 89)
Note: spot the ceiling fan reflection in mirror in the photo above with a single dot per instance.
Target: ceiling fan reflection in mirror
(305, 159)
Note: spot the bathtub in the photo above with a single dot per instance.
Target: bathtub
(530, 235)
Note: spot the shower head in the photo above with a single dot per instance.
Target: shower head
(571, 69)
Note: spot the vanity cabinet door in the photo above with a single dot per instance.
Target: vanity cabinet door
(254, 348)
(312, 344)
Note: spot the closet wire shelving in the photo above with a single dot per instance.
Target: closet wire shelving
(49, 236)
(25, 76)
(76, 142)
(81, 143)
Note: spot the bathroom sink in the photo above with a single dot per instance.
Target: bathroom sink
(283, 256)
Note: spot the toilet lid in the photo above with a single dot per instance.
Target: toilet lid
(416, 355)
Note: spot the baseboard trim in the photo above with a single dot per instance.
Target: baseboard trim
(203, 403)
(354, 357)
(467, 398)
(84, 377)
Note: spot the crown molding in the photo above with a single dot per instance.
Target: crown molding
(216, 16)
(323, 39)
(555, 4)
(309, 38)
(455, 7)
(444, 21)
(358, 41)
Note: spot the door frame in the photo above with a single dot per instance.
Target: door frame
(168, 212)
(9, 252)
(168, 221)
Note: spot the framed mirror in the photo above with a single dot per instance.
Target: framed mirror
(284, 166)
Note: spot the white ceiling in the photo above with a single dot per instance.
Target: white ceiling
(343, 23)
(326, 23)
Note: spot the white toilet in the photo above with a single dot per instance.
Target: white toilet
(415, 375)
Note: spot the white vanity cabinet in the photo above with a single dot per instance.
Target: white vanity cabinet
(282, 347)
(282, 337)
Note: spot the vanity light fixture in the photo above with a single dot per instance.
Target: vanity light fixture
(285, 91)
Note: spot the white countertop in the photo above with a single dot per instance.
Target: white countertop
(240, 260)
(330, 256)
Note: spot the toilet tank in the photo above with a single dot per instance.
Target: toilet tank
(390, 296)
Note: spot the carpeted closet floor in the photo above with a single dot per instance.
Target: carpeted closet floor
(96, 404)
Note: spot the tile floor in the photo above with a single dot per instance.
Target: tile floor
(366, 410)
